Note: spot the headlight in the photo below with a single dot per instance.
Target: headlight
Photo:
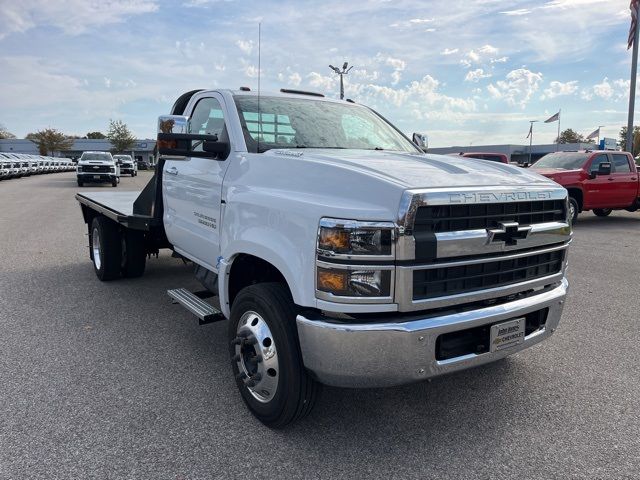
(113, 169)
(355, 261)
(350, 237)
(359, 281)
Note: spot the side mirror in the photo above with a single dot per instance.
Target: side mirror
(421, 140)
(175, 141)
(604, 168)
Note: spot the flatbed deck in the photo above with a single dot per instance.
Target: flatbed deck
(117, 206)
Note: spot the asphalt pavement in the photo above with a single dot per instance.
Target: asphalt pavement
(110, 380)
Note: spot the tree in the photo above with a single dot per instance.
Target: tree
(95, 135)
(120, 136)
(570, 136)
(50, 140)
(4, 133)
(636, 139)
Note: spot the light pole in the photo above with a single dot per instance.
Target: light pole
(531, 122)
(342, 73)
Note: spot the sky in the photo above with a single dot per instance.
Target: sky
(464, 72)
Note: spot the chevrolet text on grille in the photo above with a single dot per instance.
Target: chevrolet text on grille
(490, 197)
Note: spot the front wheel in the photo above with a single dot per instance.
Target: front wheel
(602, 212)
(80, 184)
(266, 358)
(114, 182)
(573, 210)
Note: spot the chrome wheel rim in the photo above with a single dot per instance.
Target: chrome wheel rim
(256, 357)
(572, 211)
(95, 245)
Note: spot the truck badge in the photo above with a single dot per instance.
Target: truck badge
(508, 232)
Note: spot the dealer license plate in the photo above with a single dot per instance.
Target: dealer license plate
(507, 334)
(97, 177)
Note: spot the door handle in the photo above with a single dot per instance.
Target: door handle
(172, 171)
(611, 179)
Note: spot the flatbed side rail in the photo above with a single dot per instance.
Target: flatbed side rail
(135, 221)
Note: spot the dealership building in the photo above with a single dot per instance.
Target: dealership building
(142, 150)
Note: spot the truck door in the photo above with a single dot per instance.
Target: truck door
(192, 189)
(599, 191)
(625, 179)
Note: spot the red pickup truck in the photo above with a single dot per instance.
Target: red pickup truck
(597, 180)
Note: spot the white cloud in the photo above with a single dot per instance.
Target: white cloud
(245, 46)
(72, 16)
(323, 82)
(476, 75)
(449, 51)
(484, 54)
(107, 82)
(608, 90)
(412, 22)
(251, 71)
(517, 87)
(295, 79)
(557, 89)
(518, 12)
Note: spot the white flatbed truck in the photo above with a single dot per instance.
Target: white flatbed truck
(339, 251)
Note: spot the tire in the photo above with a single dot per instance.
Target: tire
(106, 248)
(574, 210)
(80, 183)
(602, 212)
(269, 305)
(114, 182)
(134, 255)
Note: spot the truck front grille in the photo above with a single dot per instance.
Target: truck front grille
(453, 280)
(96, 168)
(453, 218)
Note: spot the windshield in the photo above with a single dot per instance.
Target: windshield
(304, 123)
(124, 158)
(105, 157)
(565, 161)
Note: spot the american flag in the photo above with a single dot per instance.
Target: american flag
(594, 134)
(634, 22)
(556, 117)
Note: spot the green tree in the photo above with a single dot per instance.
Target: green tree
(95, 135)
(50, 140)
(636, 139)
(4, 133)
(570, 136)
(120, 136)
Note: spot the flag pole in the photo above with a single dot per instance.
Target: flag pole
(632, 86)
(558, 139)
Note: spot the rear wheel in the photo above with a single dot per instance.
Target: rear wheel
(134, 255)
(106, 248)
(602, 212)
(266, 358)
(573, 210)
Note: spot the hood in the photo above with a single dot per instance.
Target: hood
(418, 171)
(96, 162)
(550, 172)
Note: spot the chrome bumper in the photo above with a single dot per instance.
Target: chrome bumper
(394, 353)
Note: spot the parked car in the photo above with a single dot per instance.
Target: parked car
(339, 251)
(143, 165)
(596, 180)
(97, 167)
(493, 157)
(127, 165)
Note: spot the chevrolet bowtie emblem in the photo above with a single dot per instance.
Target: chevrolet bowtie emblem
(508, 232)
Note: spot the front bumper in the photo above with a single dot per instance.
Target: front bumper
(95, 177)
(380, 354)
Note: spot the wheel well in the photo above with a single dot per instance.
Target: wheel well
(576, 194)
(248, 270)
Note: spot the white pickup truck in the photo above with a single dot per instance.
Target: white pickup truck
(97, 167)
(339, 252)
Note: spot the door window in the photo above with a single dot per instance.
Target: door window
(620, 163)
(207, 118)
(595, 163)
